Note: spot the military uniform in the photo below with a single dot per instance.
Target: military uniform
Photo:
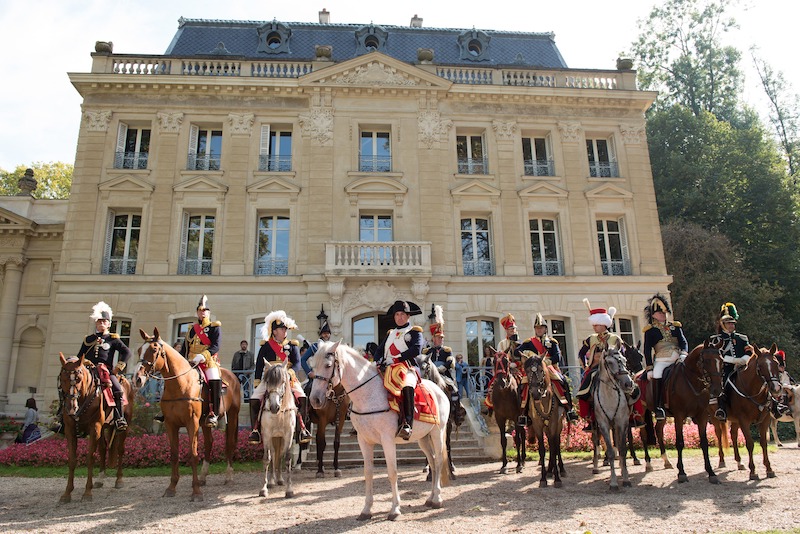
(736, 351)
(201, 347)
(442, 356)
(591, 348)
(506, 346)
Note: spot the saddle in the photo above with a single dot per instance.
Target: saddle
(205, 392)
(424, 407)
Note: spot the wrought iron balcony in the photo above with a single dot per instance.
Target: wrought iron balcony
(479, 268)
(604, 169)
(401, 258)
(270, 267)
(473, 166)
(375, 164)
(538, 167)
(194, 267)
(615, 267)
(548, 268)
(130, 160)
(203, 162)
(271, 163)
(119, 266)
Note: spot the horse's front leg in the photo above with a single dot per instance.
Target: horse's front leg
(643, 435)
(119, 445)
(72, 452)
(321, 444)
(540, 444)
(231, 438)
(763, 436)
(390, 453)
(287, 461)
(337, 441)
(750, 444)
(554, 441)
(595, 451)
(679, 446)
(94, 435)
(368, 453)
(702, 431)
(102, 450)
(719, 432)
(519, 440)
(735, 443)
(172, 435)
(621, 437)
(611, 453)
(661, 444)
(503, 445)
(192, 430)
(632, 447)
(208, 444)
(265, 462)
(773, 426)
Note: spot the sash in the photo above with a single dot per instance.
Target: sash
(538, 345)
(277, 348)
(198, 331)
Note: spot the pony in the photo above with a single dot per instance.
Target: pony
(375, 423)
(277, 428)
(429, 371)
(547, 417)
(333, 412)
(612, 413)
(83, 410)
(689, 386)
(506, 402)
(182, 406)
(794, 416)
(750, 395)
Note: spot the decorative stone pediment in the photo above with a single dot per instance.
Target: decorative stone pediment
(241, 123)
(127, 183)
(317, 124)
(169, 122)
(542, 190)
(569, 131)
(609, 192)
(475, 188)
(376, 295)
(376, 187)
(273, 186)
(504, 130)
(201, 185)
(374, 70)
(10, 222)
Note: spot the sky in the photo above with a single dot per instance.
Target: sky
(43, 40)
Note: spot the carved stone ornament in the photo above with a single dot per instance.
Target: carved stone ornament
(504, 130)
(375, 74)
(569, 131)
(377, 295)
(170, 122)
(632, 134)
(17, 260)
(318, 124)
(323, 52)
(432, 127)
(97, 121)
(241, 123)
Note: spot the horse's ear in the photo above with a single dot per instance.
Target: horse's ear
(705, 344)
(156, 335)
(83, 359)
(336, 346)
(773, 349)
(144, 334)
(62, 358)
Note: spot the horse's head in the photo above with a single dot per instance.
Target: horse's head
(152, 357)
(74, 381)
(613, 361)
(706, 360)
(767, 368)
(276, 379)
(327, 372)
(538, 377)
(634, 359)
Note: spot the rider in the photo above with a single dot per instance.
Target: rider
(99, 348)
(506, 346)
(398, 352)
(277, 348)
(324, 336)
(736, 351)
(667, 341)
(201, 347)
(438, 353)
(785, 380)
(594, 345)
(541, 344)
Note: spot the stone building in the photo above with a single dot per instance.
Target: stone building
(328, 170)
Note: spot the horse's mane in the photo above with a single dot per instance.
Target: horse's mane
(432, 373)
(274, 376)
(325, 347)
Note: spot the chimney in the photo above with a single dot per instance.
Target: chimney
(324, 16)
(416, 22)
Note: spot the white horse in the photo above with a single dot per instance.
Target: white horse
(277, 429)
(375, 423)
(612, 413)
(793, 416)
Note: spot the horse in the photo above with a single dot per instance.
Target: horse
(84, 410)
(182, 405)
(547, 416)
(336, 363)
(506, 402)
(690, 385)
(794, 416)
(277, 429)
(429, 371)
(333, 412)
(634, 361)
(750, 396)
(612, 413)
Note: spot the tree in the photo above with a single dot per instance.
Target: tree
(680, 54)
(54, 180)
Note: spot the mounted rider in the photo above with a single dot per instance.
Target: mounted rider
(201, 347)
(506, 347)
(736, 351)
(277, 348)
(324, 336)
(397, 356)
(438, 353)
(547, 347)
(664, 344)
(593, 346)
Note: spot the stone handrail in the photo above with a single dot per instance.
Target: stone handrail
(373, 257)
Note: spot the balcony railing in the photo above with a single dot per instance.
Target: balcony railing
(195, 267)
(271, 163)
(615, 268)
(119, 266)
(479, 268)
(373, 257)
(203, 162)
(270, 267)
(375, 163)
(130, 160)
(538, 167)
(547, 268)
(473, 166)
(604, 169)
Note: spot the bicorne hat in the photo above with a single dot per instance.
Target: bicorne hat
(275, 319)
(656, 303)
(404, 306)
(101, 310)
(539, 321)
(203, 304)
(325, 328)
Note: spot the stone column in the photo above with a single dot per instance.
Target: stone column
(9, 300)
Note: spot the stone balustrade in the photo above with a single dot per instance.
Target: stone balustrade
(399, 258)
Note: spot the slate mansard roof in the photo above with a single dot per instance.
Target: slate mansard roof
(200, 37)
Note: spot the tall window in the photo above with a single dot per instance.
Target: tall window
(122, 327)
(181, 329)
(471, 155)
(375, 229)
(624, 329)
(545, 250)
(536, 157)
(258, 334)
(133, 147)
(480, 334)
(375, 152)
(276, 150)
(365, 330)
(122, 243)
(205, 149)
(197, 245)
(272, 256)
(476, 247)
(602, 162)
(613, 247)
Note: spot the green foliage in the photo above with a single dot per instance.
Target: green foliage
(55, 180)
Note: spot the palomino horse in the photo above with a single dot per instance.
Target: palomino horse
(547, 417)
(277, 429)
(84, 410)
(688, 388)
(506, 402)
(333, 412)
(749, 401)
(182, 406)
(612, 413)
(429, 371)
(376, 423)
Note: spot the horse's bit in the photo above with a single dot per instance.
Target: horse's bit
(329, 394)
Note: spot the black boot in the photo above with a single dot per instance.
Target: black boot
(407, 412)
(303, 435)
(119, 420)
(215, 388)
(722, 408)
(659, 401)
(255, 420)
(572, 416)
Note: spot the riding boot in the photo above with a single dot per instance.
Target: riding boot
(215, 387)
(658, 399)
(119, 417)
(304, 436)
(407, 412)
(255, 420)
(572, 416)
(722, 408)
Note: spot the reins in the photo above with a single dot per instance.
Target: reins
(330, 394)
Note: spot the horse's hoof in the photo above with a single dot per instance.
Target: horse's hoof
(637, 462)
(98, 484)
(626, 483)
(754, 476)
(542, 483)
(197, 497)
(453, 476)
(289, 494)
(721, 465)
(520, 468)
(557, 484)
(65, 499)
(202, 482)
(770, 474)
(169, 493)
(392, 517)
(741, 467)
(713, 479)
(337, 473)
(683, 478)
(262, 493)
(119, 484)
(595, 471)
(435, 505)
(86, 498)
(613, 488)
(648, 468)
(605, 463)
(780, 444)
(280, 482)
(320, 474)
(504, 470)
(364, 517)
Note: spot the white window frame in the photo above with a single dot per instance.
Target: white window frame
(371, 252)
(476, 360)
(181, 336)
(476, 266)
(198, 265)
(470, 164)
(546, 267)
(537, 166)
(628, 335)
(612, 266)
(131, 160)
(607, 167)
(117, 327)
(125, 260)
(205, 161)
(276, 265)
(375, 162)
(270, 158)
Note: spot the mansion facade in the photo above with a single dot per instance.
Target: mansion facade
(329, 170)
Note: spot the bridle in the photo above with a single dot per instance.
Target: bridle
(622, 370)
(538, 369)
(766, 381)
(331, 394)
(75, 376)
(159, 352)
(279, 390)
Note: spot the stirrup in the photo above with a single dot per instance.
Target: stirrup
(121, 424)
(255, 437)
(660, 413)
(404, 431)
(572, 416)
(721, 414)
(159, 418)
(211, 421)
(305, 437)
(523, 420)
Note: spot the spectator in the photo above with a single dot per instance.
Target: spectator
(30, 428)
(243, 360)
(462, 375)
(178, 345)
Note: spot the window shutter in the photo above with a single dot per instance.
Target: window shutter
(623, 242)
(184, 236)
(109, 237)
(194, 133)
(119, 156)
(264, 151)
(612, 153)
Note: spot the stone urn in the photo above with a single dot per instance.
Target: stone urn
(624, 63)
(104, 47)
(425, 55)
(323, 52)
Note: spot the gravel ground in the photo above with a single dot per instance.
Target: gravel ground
(480, 500)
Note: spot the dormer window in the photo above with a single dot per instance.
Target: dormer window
(474, 45)
(371, 43)
(273, 38)
(370, 39)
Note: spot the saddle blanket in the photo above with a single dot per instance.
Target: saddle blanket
(424, 407)
(108, 395)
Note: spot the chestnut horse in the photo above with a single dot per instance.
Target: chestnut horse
(749, 399)
(505, 400)
(547, 417)
(84, 410)
(182, 406)
(333, 412)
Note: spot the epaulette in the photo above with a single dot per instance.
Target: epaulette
(294, 342)
(262, 342)
(89, 339)
(677, 323)
(446, 348)
(646, 328)
(216, 323)
(115, 336)
(417, 328)
(426, 350)
(554, 340)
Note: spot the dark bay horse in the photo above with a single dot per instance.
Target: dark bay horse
(84, 410)
(332, 412)
(687, 390)
(182, 405)
(505, 400)
(750, 396)
(429, 371)
(547, 416)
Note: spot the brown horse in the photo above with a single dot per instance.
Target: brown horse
(333, 412)
(505, 400)
(688, 388)
(750, 396)
(84, 411)
(547, 416)
(183, 406)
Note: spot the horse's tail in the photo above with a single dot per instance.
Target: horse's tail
(725, 442)
(444, 469)
(649, 428)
